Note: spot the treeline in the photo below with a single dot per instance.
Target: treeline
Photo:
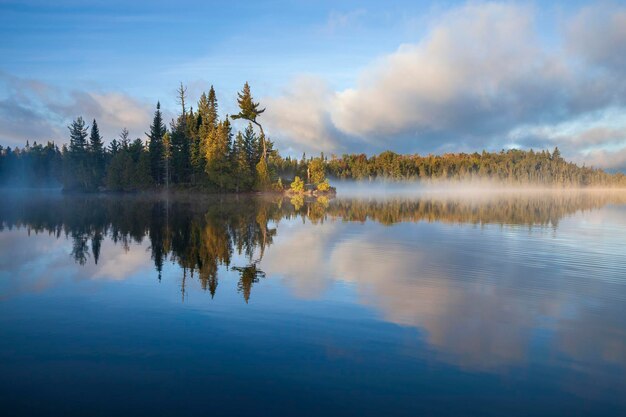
(201, 150)
(508, 167)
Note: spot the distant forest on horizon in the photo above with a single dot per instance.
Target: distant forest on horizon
(201, 151)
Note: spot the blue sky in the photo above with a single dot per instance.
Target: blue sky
(411, 76)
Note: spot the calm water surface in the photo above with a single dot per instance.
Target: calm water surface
(434, 304)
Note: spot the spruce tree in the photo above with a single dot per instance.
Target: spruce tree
(180, 142)
(124, 138)
(218, 156)
(76, 174)
(243, 172)
(114, 147)
(213, 108)
(78, 137)
(155, 146)
(96, 153)
(142, 176)
(251, 146)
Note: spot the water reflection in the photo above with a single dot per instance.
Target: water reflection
(489, 284)
(201, 234)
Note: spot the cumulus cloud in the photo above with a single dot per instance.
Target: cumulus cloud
(480, 75)
(302, 111)
(36, 111)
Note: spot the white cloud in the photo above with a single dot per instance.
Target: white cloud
(302, 112)
(36, 111)
(598, 34)
(481, 75)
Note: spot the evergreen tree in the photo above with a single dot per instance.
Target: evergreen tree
(135, 149)
(124, 138)
(155, 146)
(212, 115)
(243, 172)
(316, 171)
(252, 146)
(96, 152)
(218, 167)
(143, 172)
(78, 137)
(207, 122)
(180, 142)
(249, 110)
(114, 147)
(167, 157)
(76, 167)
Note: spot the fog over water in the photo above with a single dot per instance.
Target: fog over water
(474, 188)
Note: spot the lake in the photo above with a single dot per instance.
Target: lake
(434, 303)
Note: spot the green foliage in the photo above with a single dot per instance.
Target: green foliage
(316, 171)
(297, 185)
(323, 186)
(180, 152)
(156, 147)
(263, 180)
(125, 173)
(78, 137)
(120, 172)
(77, 172)
(96, 157)
(252, 146)
(243, 174)
(248, 109)
(509, 167)
(218, 156)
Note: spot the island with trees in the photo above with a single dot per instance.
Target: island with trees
(200, 151)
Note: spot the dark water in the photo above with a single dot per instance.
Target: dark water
(425, 305)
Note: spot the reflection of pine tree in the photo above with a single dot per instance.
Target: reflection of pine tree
(157, 236)
(96, 243)
(248, 275)
(201, 236)
(80, 249)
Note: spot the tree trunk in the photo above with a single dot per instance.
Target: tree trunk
(264, 155)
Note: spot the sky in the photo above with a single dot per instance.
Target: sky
(336, 77)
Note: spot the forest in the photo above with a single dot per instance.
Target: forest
(200, 150)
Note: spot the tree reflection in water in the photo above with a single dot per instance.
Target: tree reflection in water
(201, 234)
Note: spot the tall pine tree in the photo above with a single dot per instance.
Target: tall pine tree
(249, 110)
(218, 155)
(76, 174)
(156, 148)
(96, 153)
